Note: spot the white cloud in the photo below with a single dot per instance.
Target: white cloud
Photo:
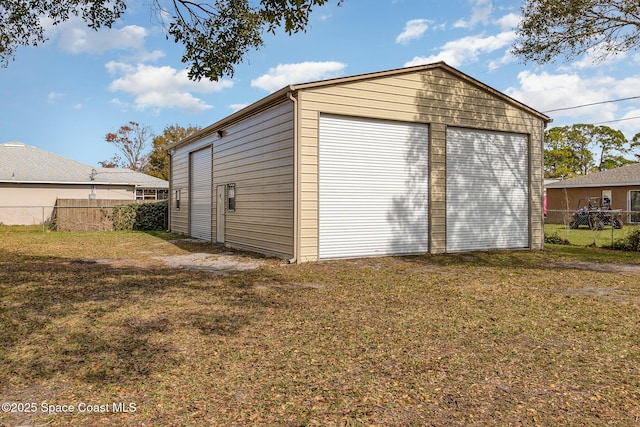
(237, 107)
(54, 96)
(480, 13)
(509, 22)
(413, 30)
(80, 39)
(591, 59)
(506, 59)
(546, 91)
(161, 87)
(461, 23)
(466, 49)
(286, 74)
(123, 106)
(73, 36)
(144, 56)
(630, 123)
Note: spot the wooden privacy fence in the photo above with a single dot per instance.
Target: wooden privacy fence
(86, 214)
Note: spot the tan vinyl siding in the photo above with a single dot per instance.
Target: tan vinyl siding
(437, 193)
(433, 96)
(256, 154)
(536, 181)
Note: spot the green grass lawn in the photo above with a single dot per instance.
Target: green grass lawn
(489, 338)
(586, 237)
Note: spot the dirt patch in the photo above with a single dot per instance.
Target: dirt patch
(606, 293)
(217, 264)
(594, 266)
(287, 286)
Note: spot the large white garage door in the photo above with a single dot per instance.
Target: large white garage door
(487, 190)
(374, 188)
(200, 194)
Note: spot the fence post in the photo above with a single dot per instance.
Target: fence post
(613, 223)
(43, 219)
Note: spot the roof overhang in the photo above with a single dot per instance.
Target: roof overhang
(618, 184)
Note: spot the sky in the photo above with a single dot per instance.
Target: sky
(64, 96)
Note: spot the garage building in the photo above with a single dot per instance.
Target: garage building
(413, 160)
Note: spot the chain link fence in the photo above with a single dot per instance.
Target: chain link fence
(26, 215)
(597, 227)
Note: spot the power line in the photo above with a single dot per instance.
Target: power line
(617, 120)
(593, 103)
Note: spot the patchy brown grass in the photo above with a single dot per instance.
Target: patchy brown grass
(503, 338)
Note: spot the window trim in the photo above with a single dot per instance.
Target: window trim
(230, 196)
(632, 216)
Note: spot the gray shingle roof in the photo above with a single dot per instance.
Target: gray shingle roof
(625, 175)
(24, 163)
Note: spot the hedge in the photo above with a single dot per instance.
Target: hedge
(139, 216)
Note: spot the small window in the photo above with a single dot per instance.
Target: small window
(606, 199)
(634, 206)
(231, 197)
(178, 199)
(151, 194)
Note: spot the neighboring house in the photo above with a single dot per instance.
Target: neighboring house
(621, 185)
(413, 160)
(31, 180)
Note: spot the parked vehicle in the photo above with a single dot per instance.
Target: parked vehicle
(596, 213)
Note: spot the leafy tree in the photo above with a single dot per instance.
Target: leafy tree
(568, 151)
(635, 145)
(131, 140)
(559, 158)
(216, 35)
(158, 165)
(616, 161)
(609, 145)
(582, 148)
(551, 28)
(580, 143)
(113, 162)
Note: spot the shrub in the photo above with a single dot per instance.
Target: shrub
(140, 216)
(555, 239)
(630, 242)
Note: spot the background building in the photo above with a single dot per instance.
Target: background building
(31, 180)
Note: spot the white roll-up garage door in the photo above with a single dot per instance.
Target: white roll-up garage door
(200, 194)
(374, 188)
(487, 190)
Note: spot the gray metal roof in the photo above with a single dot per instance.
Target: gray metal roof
(622, 176)
(23, 163)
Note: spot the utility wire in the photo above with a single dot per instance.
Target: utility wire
(617, 120)
(593, 103)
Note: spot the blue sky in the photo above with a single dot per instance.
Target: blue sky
(66, 95)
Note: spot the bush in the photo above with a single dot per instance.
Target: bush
(140, 216)
(630, 242)
(555, 239)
